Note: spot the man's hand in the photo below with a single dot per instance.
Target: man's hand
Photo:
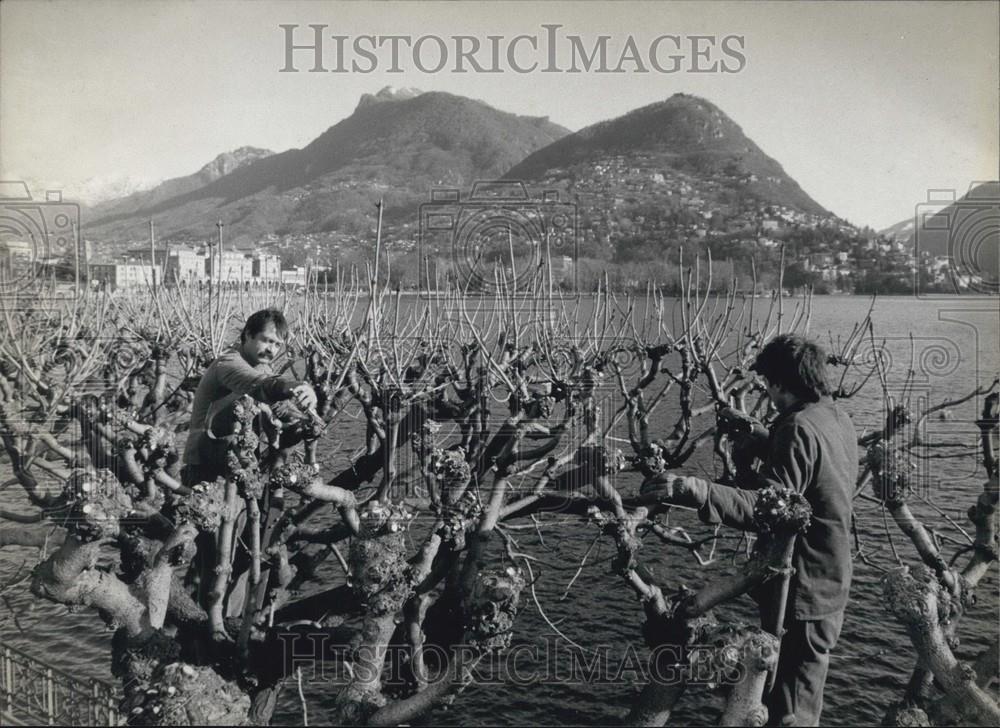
(741, 428)
(304, 397)
(677, 490)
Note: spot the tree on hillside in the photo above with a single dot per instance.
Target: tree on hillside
(796, 277)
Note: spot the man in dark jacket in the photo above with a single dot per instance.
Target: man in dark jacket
(812, 448)
(243, 370)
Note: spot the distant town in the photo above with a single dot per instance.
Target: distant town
(824, 254)
(172, 265)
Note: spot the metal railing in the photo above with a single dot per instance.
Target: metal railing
(33, 693)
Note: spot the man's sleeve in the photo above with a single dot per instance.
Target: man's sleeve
(789, 465)
(792, 459)
(728, 505)
(241, 378)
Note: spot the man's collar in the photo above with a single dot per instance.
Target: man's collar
(797, 407)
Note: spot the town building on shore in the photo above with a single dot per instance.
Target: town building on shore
(17, 257)
(115, 275)
(294, 276)
(563, 270)
(184, 265)
(231, 266)
(266, 268)
(298, 275)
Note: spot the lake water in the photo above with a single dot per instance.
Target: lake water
(953, 347)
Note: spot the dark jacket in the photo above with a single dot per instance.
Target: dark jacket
(814, 450)
(225, 380)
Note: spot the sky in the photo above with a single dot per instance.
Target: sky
(867, 105)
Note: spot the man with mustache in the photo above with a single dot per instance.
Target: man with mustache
(243, 370)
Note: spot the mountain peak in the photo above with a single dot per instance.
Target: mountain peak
(426, 140)
(388, 93)
(230, 161)
(683, 135)
(681, 97)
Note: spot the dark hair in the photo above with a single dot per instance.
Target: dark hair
(257, 321)
(795, 363)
